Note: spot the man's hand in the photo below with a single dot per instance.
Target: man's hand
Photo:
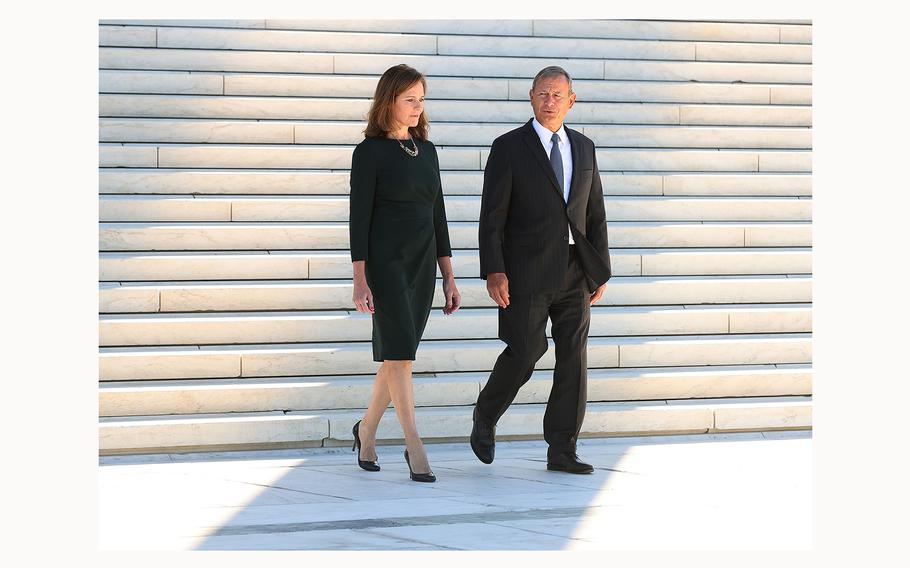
(498, 288)
(598, 293)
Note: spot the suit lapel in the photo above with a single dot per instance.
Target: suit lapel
(576, 153)
(533, 142)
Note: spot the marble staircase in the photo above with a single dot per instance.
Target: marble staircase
(225, 319)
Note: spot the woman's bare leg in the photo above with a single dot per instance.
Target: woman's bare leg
(379, 402)
(401, 390)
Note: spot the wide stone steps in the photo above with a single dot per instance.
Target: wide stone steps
(293, 327)
(311, 359)
(515, 112)
(449, 65)
(203, 396)
(274, 265)
(440, 88)
(768, 31)
(229, 296)
(462, 234)
(251, 295)
(444, 134)
(122, 208)
(261, 430)
(428, 44)
(226, 319)
(313, 182)
(450, 158)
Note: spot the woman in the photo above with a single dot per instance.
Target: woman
(398, 233)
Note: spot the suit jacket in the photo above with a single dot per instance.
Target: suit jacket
(525, 222)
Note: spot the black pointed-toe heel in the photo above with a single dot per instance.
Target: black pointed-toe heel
(425, 477)
(367, 465)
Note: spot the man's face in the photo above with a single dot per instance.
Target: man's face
(551, 101)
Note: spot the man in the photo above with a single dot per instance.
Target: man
(543, 253)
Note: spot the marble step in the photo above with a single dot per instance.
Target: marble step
(347, 358)
(296, 327)
(429, 44)
(448, 65)
(450, 158)
(440, 88)
(205, 396)
(253, 295)
(301, 182)
(196, 131)
(262, 430)
(468, 111)
(123, 208)
(462, 234)
(698, 30)
(266, 265)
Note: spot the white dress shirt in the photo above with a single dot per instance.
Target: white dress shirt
(546, 138)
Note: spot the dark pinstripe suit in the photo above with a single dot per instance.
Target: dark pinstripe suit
(524, 233)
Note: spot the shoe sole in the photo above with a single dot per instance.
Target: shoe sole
(562, 468)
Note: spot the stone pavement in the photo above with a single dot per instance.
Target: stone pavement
(721, 492)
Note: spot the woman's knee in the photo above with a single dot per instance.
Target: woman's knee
(398, 365)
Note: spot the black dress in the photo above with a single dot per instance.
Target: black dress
(398, 226)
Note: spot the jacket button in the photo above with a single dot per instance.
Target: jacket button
(565, 237)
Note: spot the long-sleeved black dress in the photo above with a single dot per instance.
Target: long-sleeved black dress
(398, 226)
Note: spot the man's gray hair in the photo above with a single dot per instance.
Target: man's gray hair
(552, 71)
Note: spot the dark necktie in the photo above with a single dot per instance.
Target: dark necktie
(556, 162)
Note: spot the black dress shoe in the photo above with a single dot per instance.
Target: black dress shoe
(367, 465)
(425, 477)
(569, 463)
(483, 438)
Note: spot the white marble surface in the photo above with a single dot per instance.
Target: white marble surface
(708, 71)
(204, 266)
(127, 156)
(737, 184)
(754, 52)
(743, 115)
(752, 489)
(285, 40)
(447, 26)
(200, 430)
(474, 66)
(227, 107)
(667, 30)
(126, 36)
(767, 261)
(317, 235)
(359, 86)
(219, 182)
(651, 92)
(181, 131)
(733, 349)
(213, 60)
(621, 290)
(288, 327)
(565, 47)
(726, 137)
(169, 82)
(314, 359)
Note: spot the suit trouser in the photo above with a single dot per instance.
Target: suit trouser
(522, 326)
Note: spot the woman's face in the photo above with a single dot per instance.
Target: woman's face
(408, 106)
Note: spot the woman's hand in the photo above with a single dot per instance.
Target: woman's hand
(453, 296)
(363, 296)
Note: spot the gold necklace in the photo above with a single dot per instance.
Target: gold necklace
(410, 152)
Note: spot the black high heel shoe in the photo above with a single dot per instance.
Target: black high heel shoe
(427, 477)
(367, 465)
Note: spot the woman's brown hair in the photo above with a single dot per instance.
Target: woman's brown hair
(393, 82)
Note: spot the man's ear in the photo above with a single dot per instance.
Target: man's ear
(571, 100)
